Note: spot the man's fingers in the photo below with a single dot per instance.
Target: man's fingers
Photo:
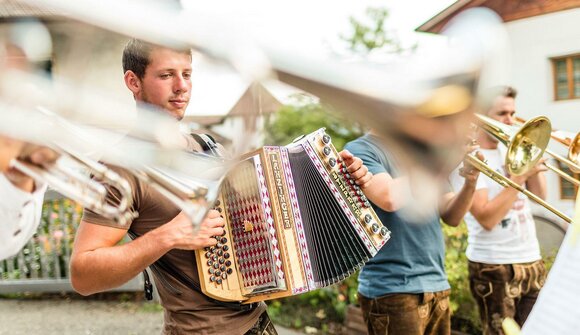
(360, 173)
(365, 181)
(212, 213)
(345, 155)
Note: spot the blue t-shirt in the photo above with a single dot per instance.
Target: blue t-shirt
(413, 259)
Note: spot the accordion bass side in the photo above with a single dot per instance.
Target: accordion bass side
(295, 221)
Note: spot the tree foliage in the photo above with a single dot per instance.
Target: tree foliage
(306, 115)
(371, 34)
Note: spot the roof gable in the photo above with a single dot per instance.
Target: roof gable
(508, 10)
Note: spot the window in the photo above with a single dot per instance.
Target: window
(567, 189)
(566, 77)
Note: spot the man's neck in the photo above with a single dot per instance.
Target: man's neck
(485, 142)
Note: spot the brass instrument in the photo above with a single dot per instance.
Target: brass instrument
(80, 188)
(45, 128)
(573, 144)
(524, 149)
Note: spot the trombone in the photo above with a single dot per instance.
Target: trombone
(524, 149)
(573, 159)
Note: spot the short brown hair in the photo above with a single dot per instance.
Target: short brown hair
(509, 92)
(136, 56)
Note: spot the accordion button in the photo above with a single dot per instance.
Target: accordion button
(367, 204)
(218, 281)
(332, 162)
(216, 265)
(226, 248)
(219, 245)
(212, 249)
(209, 262)
(326, 151)
(325, 139)
(212, 278)
(220, 252)
(229, 271)
(375, 228)
(214, 257)
(368, 218)
(218, 273)
(223, 268)
(217, 203)
(224, 240)
(227, 255)
(224, 233)
(211, 271)
(222, 261)
(228, 263)
(224, 276)
(385, 232)
(208, 254)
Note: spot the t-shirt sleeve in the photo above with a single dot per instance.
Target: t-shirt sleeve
(114, 198)
(368, 155)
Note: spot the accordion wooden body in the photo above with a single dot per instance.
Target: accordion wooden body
(295, 222)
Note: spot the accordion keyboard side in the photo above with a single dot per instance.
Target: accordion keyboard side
(354, 202)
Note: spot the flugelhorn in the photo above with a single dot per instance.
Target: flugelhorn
(573, 144)
(66, 174)
(524, 149)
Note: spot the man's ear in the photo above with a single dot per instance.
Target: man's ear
(133, 82)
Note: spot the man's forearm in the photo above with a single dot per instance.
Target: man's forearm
(107, 268)
(459, 205)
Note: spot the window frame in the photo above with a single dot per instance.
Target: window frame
(566, 169)
(569, 75)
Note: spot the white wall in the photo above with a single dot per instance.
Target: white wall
(533, 42)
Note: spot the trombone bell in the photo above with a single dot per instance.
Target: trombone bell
(527, 146)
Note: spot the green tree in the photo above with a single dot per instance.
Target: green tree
(306, 115)
(371, 34)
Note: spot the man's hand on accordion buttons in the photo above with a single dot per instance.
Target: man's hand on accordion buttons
(354, 165)
(182, 232)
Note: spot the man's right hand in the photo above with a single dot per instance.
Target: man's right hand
(539, 167)
(37, 155)
(180, 232)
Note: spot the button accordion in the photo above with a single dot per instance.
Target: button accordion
(295, 221)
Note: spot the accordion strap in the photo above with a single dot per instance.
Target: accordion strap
(207, 143)
(161, 266)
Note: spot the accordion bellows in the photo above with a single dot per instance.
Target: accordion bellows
(295, 222)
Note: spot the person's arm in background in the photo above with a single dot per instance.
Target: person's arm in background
(490, 212)
(454, 205)
(386, 192)
(21, 201)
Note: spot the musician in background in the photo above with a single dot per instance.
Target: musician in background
(506, 271)
(165, 237)
(21, 196)
(404, 288)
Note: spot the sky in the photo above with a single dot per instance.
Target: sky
(312, 27)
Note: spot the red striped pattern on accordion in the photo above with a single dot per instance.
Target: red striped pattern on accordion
(295, 221)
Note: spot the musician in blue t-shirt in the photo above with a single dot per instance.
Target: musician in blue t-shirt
(404, 288)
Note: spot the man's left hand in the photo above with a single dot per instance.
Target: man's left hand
(359, 172)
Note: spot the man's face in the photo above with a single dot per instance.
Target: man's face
(167, 81)
(503, 110)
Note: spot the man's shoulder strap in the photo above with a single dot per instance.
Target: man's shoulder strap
(207, 143)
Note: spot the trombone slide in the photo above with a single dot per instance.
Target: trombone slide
(506, 182)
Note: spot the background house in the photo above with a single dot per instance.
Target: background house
(544, 67)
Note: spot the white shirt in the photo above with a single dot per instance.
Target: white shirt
(20, 214)
(513, 240)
